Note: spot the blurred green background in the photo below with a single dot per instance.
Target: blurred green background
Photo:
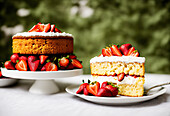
(97, 23)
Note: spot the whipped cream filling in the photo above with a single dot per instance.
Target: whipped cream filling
(126, 59)
(126, 80)
(27, 34)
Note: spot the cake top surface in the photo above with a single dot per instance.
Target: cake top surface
(43, 30)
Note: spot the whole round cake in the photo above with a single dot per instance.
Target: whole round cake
(42, 48)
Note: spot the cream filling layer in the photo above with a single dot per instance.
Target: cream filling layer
(126, 59)
(126, 80)
(27, 34)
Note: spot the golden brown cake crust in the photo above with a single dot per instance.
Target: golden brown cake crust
(42, 45)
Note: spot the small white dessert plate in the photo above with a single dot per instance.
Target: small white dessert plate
(119, 100)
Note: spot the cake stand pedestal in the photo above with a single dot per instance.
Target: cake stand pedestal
(44, 80)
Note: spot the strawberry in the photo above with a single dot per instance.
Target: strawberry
(0, 74)
(81, 88)
(134, 53)
(93, 88)
(51, 67)
(115, 51)
(44, 67)
(125, 48)
(33, 63)
(106, 52)
(130, 50)
(14, 58)
(120, 76)
(23, 58)
(9, 65)
(70, 67)
(47, 27)
(34, 29)
(57, 30)
(76, 63)
(21, 65)
(104, 84)
(104, 92)
(40, 27)
(42, 58)
(72, 57)
(64, 62)
(52, 28)
(100, 55)
(114, 90)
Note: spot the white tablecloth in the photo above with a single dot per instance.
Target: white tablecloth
(17, 101)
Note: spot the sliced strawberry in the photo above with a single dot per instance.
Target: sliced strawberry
(41, 27)
(52, 28)
(43, 58)
(104, 92)
(81, 88)
(9, 65)
(125, 48)
(72, 57)
(93, 88)
(76, 63)
(57, 30)
(47, 27)
(134, 53)
(85, 91)
(64, 62)
(21, 65)
(33, 63)
(114, 90)
(115, 51)
(70, 66)
(23, 58)
(130, 50)
(51, 67)
(14, 58)
(107, 52)
(104, 84)
(44, 67)
(120, 76)
(34, 29)
(0, 74)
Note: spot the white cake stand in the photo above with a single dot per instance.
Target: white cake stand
(44, 80)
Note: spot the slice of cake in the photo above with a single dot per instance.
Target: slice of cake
(121, 66)
(43, 48)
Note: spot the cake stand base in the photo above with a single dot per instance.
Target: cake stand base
(44, 87)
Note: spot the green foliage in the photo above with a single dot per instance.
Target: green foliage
(143, 23)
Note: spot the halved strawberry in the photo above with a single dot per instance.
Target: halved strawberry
(115, 51)
(34, 29)
(42, 58)
(40, 27)
(134, 53)
(76, 63)
(125, 48)
(70, 66)
(9, 65)
(64, 62)
(104, 84)
(23, 58)
(51, 67)
(130, 50)
(52, 28)
(57, 30)
(33, 63)
(72, 57)
(120, 76)
(93, 88)
(81, 88)
(47, 27)
(107, 52)
(104, 92)
(21, 65)
(113, 89)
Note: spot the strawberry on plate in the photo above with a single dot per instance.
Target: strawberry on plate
(72, 57)
(76, 63)
(70, 66)
(9, 65)
(114, 90)
(21, 65)
(0, 74)
(93, 88)
(82, 89)
(104, 84)
(14, 58)
(115, 50)
(63, 62)
(23, 58)
(120, 76)
(42, 58)
(33, 63)
(107, 52)
(50, 66)
(104, 92)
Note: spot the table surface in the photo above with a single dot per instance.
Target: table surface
(17, 101)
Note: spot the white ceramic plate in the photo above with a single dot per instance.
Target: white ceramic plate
(119, 100)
